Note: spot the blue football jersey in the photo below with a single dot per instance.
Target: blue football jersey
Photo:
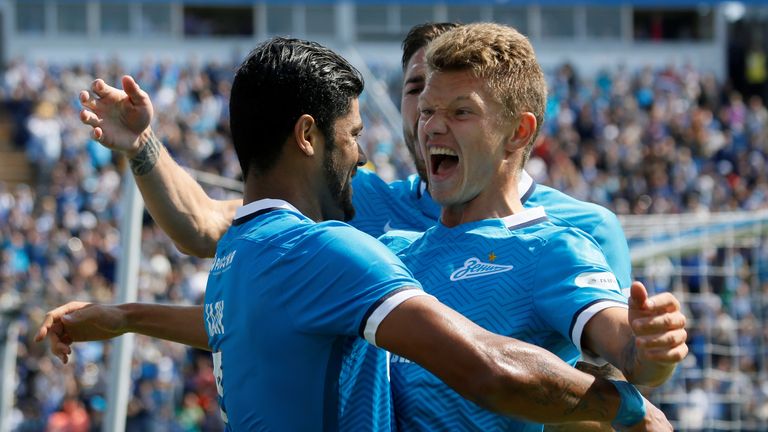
(521, 276)
(595, 220)
(401, 205)
(407, 205)
(289, 307)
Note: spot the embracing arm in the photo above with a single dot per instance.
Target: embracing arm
(193, 220)
(121, 121)
(498, 373)
(646, 342)
(82, 321)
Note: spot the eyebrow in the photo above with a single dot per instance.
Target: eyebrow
(454, 100)
(415, 80)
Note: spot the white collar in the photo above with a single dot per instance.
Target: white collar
(525, 218)
(262, 204)
(524, 184)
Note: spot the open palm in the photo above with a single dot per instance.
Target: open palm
(118, 117)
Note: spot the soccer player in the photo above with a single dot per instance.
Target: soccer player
(503, 266)
(290, 298)
(195, 222)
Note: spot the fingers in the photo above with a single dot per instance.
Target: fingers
(638, 296)
(664, 302)
(54, 316)
(666, 355)
(48, 322)
(666, 340)
(102, 90)
(134, 92)
(89, 118)
(59, 347)
(86, 100)
(92, 120)
(658, 324)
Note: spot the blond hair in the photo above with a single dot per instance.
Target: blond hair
(501, 56)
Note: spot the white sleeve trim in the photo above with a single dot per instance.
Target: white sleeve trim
(583, 318)
(387, 306)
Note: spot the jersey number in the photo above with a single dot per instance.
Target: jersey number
(217, 374)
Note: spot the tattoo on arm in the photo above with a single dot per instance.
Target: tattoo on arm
(146, 159)
(564, 392)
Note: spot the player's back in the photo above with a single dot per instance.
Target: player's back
(285, 305)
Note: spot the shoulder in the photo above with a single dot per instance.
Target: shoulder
(337, 239)
(367, 179)
(565, 210)
(399, 240)
(561, 242)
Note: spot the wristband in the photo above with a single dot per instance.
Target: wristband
(632, 407)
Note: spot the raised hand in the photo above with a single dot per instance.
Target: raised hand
(659, 326)
(118, 117)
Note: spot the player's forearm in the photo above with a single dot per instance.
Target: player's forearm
(642, 371)
(182, 324)
(193, 220)
(503, 375)
(537, 385)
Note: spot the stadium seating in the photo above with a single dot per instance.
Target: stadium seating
(641, 142)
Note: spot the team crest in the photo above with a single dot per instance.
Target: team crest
(473, 267)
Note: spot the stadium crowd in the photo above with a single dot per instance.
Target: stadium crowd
(638, 142)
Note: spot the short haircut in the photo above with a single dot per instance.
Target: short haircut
(501, 56)
(281, 80)
(420, 35)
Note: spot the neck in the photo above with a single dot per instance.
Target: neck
(497, 200)
(277, 185)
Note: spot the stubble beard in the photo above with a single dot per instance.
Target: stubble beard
(339, 186)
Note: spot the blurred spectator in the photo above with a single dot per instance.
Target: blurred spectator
(640, 142)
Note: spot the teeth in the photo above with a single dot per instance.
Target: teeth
(441, 151)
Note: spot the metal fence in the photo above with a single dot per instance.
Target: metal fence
(717, 265)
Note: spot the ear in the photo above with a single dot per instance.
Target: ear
(526, 128)
(306, 134)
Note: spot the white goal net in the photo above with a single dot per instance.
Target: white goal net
(717, 265)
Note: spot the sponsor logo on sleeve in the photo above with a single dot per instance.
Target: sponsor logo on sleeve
(597, 280)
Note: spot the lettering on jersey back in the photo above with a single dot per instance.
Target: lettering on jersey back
(214, 317)
(473, 267)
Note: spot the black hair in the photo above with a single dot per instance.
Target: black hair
(420, 35)
(281, 80)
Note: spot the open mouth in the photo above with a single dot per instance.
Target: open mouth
(442, 160)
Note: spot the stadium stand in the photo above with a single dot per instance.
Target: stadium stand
(647, 143)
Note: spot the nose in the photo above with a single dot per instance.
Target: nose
(434, 124)
(361, 158)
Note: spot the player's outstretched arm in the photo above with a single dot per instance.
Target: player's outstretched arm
(82, 321)
(505, 375)
(646, 343)
(121, 121)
